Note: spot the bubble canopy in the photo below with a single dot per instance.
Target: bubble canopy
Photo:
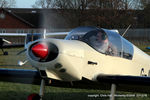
(104, 41)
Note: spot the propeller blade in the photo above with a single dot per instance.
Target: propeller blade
(21, 63)
(21, 52)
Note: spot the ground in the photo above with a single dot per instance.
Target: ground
(15, 91)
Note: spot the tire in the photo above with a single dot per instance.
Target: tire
(34, 96)
(5, 53)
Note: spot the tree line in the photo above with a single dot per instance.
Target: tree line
(103, 13)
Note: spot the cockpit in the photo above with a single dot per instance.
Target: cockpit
(104, 41)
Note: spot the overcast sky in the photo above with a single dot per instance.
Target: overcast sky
(24, 3)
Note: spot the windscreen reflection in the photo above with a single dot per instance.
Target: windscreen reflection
(104, 41)
(79, 32)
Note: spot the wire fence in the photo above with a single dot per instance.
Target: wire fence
(134, 35)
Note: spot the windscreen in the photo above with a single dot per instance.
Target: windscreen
(115, 43)
(104, 41)
(127, 49)
(79, 32)
(108, 44)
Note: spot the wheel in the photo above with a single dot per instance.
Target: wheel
(5, 53)
(34, 97)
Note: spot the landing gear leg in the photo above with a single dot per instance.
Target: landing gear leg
(4, 52)
(113, 90)
(42, 88)
(39, 96)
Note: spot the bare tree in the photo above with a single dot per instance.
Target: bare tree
(111, 13)
(75, 7)
(106, 4)
(72, 4)
(106, 13)
(43, 4)
(146, 13)
(7, 3)
(144, 3)
(133, 4)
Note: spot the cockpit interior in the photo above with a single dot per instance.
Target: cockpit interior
(104, 41)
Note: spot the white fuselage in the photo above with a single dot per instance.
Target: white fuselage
(74, 56)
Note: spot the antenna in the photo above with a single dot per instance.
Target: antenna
(126, 30)
(44, 35)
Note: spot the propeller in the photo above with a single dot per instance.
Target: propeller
(40, 50)
(22, 51)
(44, 35)
(21, 63)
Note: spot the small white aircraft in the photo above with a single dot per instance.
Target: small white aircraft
(148, 48)
(2, 40)
(89, 57)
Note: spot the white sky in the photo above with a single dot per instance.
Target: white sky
(24, 3)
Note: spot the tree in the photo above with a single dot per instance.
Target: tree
(134, 4)
(98, 12)
(146, 15)
(76, 8)
(43, 4)
(144, 3)
(107, 4)
(7, 3)
(106, 13)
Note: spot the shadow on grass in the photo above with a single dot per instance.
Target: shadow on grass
(11, 95)
(9, 65)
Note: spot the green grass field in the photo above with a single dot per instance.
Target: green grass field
(15, 91)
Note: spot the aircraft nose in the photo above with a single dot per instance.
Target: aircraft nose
(40, 50)
(43, 51)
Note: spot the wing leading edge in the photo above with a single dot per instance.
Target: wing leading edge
(126, 83)
(123, 83)
(20, 76)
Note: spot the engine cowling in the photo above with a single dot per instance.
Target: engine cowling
(43, 52)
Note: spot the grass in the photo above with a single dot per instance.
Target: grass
(15, 91)
(11, 91)
(11, 60)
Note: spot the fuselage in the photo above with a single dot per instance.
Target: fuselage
(74, 57)
(77, 59)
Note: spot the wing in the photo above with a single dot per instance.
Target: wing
(125, 83)
(51, 34)
(20, 76)
(12, 34)
(28, 77)
(58, 35)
